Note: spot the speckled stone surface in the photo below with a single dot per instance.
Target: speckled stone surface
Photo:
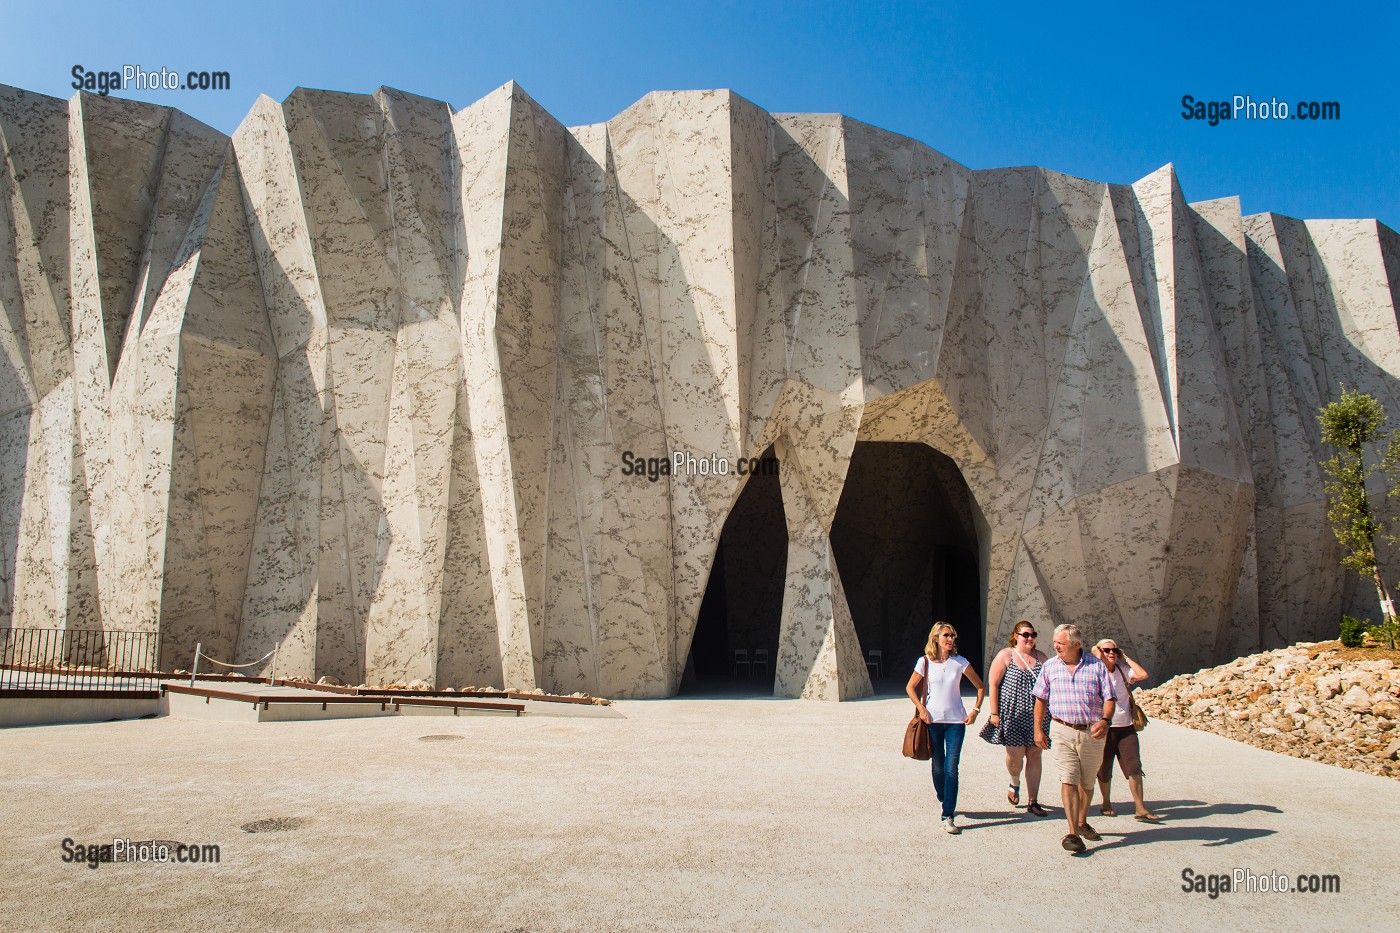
(358, 382)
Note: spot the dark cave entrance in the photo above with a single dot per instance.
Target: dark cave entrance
(735, 646)
(906, 545)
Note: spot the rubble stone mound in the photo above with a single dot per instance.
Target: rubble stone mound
(1310, 700)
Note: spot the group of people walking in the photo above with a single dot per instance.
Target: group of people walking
(1076, 704)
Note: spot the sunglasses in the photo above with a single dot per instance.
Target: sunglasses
(1109, 650)
(1026, 634)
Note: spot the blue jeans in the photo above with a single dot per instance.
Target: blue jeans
(947, 741)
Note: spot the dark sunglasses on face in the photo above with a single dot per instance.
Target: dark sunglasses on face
(1026, 634)
(1110, 651)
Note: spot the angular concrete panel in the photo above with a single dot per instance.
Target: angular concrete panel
(360, 384)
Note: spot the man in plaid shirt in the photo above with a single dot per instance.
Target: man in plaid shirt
(1076, 688)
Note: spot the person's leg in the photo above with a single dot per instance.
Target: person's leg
(953, 737)
(1105, 798)
(1069, 797)
(1068, 742)
(1014, 758)
(1032, 775)
(1135, 785)
(1090, 760)
(935, 736)
(1105, 775)
(1130, 761)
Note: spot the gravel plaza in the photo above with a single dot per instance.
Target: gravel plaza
(682, 814)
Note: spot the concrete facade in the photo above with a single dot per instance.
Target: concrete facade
(359, 382)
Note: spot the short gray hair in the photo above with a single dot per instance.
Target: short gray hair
(1071, 632)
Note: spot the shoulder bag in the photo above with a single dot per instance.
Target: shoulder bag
(916, 742)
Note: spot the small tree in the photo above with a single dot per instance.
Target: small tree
(1349, 424)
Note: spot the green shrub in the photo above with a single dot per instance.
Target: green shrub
(1351, 632)
(1385, 633)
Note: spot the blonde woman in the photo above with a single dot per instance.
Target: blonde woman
(1012, 722)
(935, 688)
(1122, 742)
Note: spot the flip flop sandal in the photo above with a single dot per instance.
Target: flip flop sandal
(1148, 818)
(1107, 811)
(1036, 809)
(1013, 796)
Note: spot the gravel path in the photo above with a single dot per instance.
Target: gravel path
(705, 814)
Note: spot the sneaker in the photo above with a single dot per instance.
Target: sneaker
(1088, 832)
(1072, 843)
(950, 827)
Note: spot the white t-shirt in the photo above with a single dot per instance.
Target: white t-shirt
(1122, 712)
(943, 687)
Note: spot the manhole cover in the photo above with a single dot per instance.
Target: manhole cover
(277, 824)
(438, 738)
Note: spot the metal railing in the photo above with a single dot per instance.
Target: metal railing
(71, 660)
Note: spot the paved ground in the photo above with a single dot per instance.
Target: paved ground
(713, 814)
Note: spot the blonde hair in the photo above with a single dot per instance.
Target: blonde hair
(931, 649)
(1011, 642)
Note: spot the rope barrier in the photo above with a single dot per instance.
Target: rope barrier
(199, 653)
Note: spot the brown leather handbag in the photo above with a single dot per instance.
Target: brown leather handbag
(916, 743)
(1139, 717)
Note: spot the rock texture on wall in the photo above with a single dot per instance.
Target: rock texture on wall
(358, 382)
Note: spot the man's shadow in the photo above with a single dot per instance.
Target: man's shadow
(1172, 812)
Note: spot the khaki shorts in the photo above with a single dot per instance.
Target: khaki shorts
(1077, 755)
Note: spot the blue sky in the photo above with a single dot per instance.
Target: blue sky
(1094, 91)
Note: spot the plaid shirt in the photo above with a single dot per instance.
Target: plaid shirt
(1076, 698)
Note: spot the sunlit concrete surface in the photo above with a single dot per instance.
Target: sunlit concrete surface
(363, 382)
(685, 814)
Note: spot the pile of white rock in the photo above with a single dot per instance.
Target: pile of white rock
(1304, 700)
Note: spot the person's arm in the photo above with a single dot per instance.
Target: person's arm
(1041, 692)
(915, 689)
(1100, 729)
(1136, 671)
(971, 675)
(994, 677)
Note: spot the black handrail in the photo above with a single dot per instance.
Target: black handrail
(54, 659)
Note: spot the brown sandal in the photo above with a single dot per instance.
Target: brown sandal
(1013, 796)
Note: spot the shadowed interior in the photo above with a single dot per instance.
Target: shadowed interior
(906, 547)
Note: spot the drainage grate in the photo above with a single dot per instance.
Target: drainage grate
(277, 824)
(438, 738)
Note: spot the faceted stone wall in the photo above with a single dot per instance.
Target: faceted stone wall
(359, 382)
